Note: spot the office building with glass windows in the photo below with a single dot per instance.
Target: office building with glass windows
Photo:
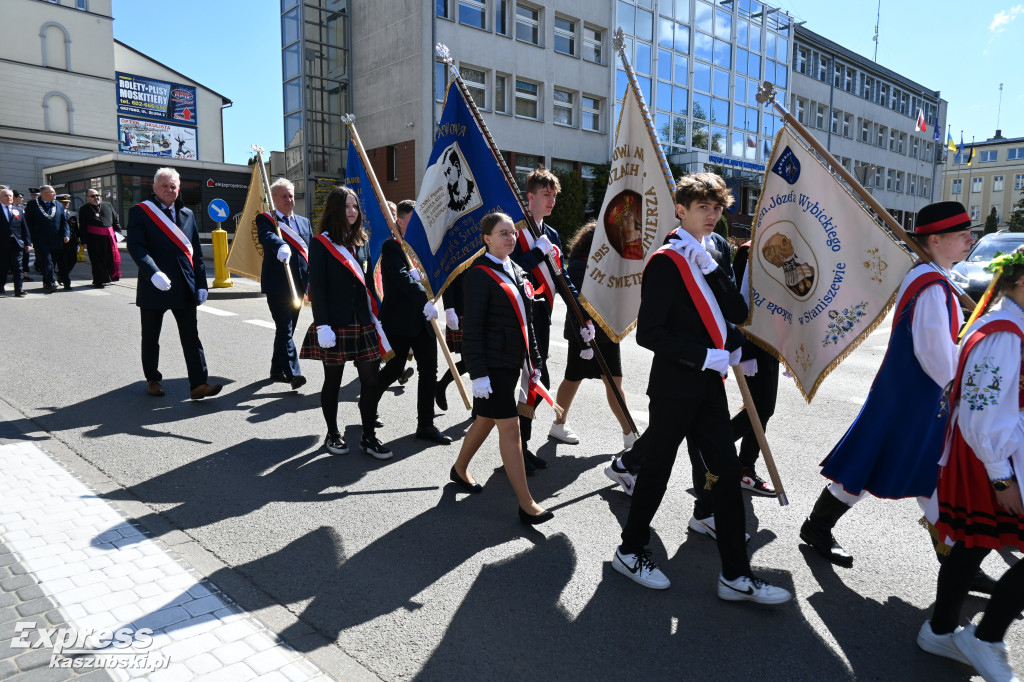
(994, 178)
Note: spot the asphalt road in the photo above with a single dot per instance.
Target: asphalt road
(387, 567)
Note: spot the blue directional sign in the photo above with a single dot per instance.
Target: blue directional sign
(218, 210)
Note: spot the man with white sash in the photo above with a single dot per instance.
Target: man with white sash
(163, 240)
(290, 250)
(687, 305)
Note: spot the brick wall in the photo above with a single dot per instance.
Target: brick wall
(404, 184)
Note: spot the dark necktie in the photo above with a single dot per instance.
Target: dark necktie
(167, 212)
(286, 221)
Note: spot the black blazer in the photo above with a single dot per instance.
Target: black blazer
(528, 260)
(48, 233)
(338, 298)
(272, 278)
(16, 229)
(401, 311)
(153, 251)
(668, 324)
(492, 336)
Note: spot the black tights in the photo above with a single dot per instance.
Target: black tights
(1005, 604)
(447, 378)
(368, 396)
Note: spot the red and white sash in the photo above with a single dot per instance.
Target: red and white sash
(168, 227)
(700, 292)
(923, 279)
(290, 236)
(345, 257)
(541, 271)
(530, 388)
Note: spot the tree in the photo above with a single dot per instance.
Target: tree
(722, 226)
(1017, 216)
(991, 222)
(569, 211)
(598, 187)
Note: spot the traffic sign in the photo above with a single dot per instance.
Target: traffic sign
(218, 210)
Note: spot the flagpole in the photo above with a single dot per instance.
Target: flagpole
(970, 175)
(350, 121)
(296, 299)
(766, 96)
(563, 286)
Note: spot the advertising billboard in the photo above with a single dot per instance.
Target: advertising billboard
(150, 138)
(156, 118)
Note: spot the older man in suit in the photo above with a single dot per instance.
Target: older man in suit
(48, 222)
(163, 240)
(14, 241)
(289, 250)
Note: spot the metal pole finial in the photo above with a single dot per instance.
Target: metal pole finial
(618, 39)
(348, 119)
(443, 52)
(765, 93)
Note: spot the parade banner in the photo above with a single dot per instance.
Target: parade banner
(149, 138)
(374, 221)
(246, 254)
(637, 214)
(823, 273)
(463, 183)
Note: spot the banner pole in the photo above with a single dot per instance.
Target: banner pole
(445, 54)
(350, 121)
(766, 96)
(296, 299)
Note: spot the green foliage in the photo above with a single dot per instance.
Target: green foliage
(991, 222)
(598, 187)
(722, 226)
(569, 211)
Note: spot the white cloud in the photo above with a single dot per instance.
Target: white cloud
(1003, 18)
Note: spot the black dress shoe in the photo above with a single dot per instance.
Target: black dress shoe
(440, 398)
(406, 375)
(432, 434)
(533, 459)
(464, 484)
(298, 382)
(279, 377)
(531, 520)
(822, 540)
(19, 294)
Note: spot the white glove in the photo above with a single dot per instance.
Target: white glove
(451, 320)
(161, 281)
(415, 274)
(325, 336)
(482, 387)
(749, 367)
(202, 295)
(429, 311)
(735, 357)
(535, 377)
(717, 360)
(587, 353)
(544, 244)
(588, 332)
(284, 253)
(700, 257)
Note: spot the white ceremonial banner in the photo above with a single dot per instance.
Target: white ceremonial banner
(637, 214)
(823, 273)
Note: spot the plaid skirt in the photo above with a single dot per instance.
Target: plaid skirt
(453, 338)
(356, 342)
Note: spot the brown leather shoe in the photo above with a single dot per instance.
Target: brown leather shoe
(205, 391)
(154, 388)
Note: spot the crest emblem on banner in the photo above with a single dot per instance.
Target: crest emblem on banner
(452, 193)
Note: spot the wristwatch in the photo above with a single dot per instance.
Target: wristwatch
(1001, 484)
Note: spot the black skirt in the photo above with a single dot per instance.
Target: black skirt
(578, 369)
(503, 402)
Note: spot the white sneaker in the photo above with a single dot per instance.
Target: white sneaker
(620, 477)
(628, 439)
(940, 645)
(640, 568)
(564, 433)
(706, 527)
(990, 659)
(746, 588)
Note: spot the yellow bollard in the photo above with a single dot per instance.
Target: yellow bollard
(81, 253)
(221, 276)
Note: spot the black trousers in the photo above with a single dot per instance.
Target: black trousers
(764, 389)
(191, 346)
(285, 358)
(955, 575)
(53, 264)
(10, 260)
(542, 332)
(424, 350)
(701, 413)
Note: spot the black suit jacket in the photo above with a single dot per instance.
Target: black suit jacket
(272, 278)
(15, 230)
(492, 336)
(48, 233)
(528, 260)
(401, 311)
(338, 298)
(153, 251)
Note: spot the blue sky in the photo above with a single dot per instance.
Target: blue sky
(234, 48)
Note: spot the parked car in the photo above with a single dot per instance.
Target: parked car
(969, 274)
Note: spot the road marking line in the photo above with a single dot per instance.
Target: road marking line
(91, 292)
(262, 323)
(216, 311)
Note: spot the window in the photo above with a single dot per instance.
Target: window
(527, 99)
(473, 13)
(501, 17)
(801, 60)
(591, 113)
(442, 9)
(822, 68)
(835, 122)
(865, 131)
(528, 24)
(82, 5)
(893, 136)
(890, 178)
(847, 125)
(440, 80)
(563, 100)
(526, 164)
(958, 185)
(500, 100)
(392, 163)
(1018, 181)
(476, 83)
(801, 115)
(819, 117)
(565, 36)
(1015, 153)
(592, 44)
(851, 77)
(899, 182)
(975, 212)
(989, 156)
(997, 183)
(912, 185)
(882, 130)
(975, 185)
(913, 147)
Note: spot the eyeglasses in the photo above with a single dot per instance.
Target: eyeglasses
(93, 196)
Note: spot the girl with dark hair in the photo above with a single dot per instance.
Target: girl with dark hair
(345, 325)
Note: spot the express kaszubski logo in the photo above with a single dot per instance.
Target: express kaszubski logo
(124, 647)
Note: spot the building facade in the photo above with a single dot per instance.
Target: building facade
(866, 115)
(994, 178)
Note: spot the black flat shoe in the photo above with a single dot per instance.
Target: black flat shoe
(279, 377)
(532, 459)
(531, 520)
(467, 486)
(440, 398)
(432, 434)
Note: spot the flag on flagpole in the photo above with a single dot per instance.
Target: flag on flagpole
(970, 154)
(823, 273)
(374, 221)
(463, 183)
(245, 257)
(637, 214)
(950, 144)
(922, 125)
(937, 134)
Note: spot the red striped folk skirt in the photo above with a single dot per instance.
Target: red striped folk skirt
(356, 342)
